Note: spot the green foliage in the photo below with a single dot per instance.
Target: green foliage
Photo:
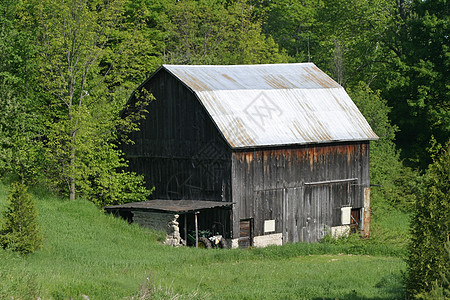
(19, 121)
(91, 160)
(416, 78)
(215, 32)
(20, 231)
(18, 147)
(342, 37)
(87, 73)
(398, 184)
(292, 24)
(429, 259)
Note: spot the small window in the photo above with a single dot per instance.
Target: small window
(346, 215)
(269, 226)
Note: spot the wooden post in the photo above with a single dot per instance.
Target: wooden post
(366, 217)
(196, 229)
(283, 203)
(185, 229)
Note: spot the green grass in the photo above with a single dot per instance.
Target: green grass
(88, 253)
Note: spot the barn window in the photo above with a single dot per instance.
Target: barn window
(269, 226)
(346, 215)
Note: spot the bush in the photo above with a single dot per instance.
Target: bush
(429, 259)
(20, 231)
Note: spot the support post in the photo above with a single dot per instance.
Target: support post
(283, 203)
(196, 229)
(185, 229)
(366, 217)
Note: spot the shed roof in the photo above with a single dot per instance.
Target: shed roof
(276, 104)
(176, 206)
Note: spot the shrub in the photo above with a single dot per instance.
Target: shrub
(20, 231)
(429, 259)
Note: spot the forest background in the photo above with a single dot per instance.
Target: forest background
(67, 69)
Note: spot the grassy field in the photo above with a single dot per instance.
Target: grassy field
(89, 253)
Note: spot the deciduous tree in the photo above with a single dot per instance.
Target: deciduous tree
(216, 32)
(416, 80)
(19, 119)
(85, 48)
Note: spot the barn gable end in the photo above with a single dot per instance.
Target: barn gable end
(178, 147)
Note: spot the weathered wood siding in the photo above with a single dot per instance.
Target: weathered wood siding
(302, 188)
(178, 147)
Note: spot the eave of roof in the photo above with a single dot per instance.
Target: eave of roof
(174, 206)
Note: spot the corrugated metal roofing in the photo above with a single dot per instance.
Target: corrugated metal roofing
(277, 104)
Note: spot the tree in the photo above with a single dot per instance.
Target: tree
(398, 184)
(248, 44)
(342, 37)
(293, 25)
(85, 47)
(416, 78)
(21, 231)
(19, 119)
(214, 32)
(352, 33)
(429, 258)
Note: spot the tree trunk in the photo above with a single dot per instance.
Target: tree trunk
(72, 161)
(72, 189)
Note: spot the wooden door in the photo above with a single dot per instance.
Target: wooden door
(246, 233)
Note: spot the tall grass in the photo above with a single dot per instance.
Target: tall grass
(89, 253)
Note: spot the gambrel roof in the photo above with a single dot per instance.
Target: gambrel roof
(274, 104)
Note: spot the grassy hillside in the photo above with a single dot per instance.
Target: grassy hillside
(88, 253)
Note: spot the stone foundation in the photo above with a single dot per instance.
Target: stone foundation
(262, 240)
(267, 240)
(338, 231)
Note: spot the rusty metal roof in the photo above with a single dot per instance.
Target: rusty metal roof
(176, 206)
(276, 104)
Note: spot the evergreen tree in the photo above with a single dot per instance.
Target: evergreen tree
(20, 231)
(429, 259)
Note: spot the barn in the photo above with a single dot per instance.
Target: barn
(279, 151)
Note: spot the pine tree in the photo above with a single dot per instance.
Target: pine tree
(20, 231)
(429, 258)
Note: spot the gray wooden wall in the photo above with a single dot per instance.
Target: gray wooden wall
(179, 149)
(302, 189)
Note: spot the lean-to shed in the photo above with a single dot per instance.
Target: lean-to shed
(283, 142)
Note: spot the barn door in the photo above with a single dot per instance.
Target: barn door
(292, 214)
(246, 233)
(316, 210)
(322, 207)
